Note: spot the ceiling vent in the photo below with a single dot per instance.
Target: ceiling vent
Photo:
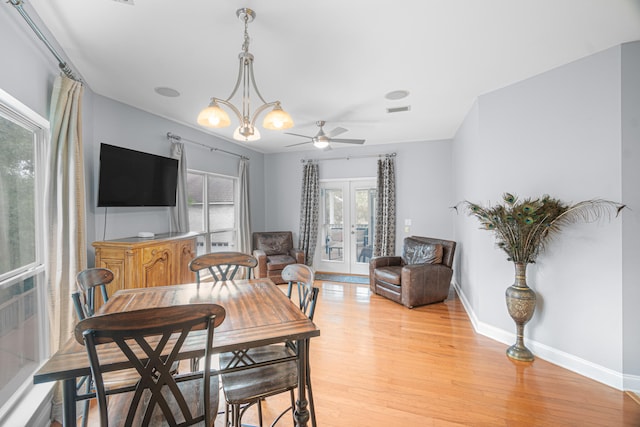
(399, 109)
(124, 1)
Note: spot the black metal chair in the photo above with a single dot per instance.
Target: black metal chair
(151, 340)
(222, 265)
(245, 388)
(84, 303)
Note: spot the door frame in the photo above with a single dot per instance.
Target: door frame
(349, 262)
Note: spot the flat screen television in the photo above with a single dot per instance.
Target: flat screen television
(133, 178)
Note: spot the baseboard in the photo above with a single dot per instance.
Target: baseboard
(565, 360)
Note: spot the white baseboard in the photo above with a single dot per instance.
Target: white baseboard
(565, 360)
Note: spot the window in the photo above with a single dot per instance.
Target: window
(23, 341)
(212, 210)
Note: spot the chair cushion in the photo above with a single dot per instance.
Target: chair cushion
(389, 274)
(278, 262)
(421, 253)
(274, 243)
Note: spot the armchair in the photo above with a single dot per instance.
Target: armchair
(422, 275)
(274, 251)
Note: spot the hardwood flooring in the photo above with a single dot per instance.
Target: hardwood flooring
(378, 363)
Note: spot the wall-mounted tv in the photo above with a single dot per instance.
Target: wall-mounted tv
(133, 178)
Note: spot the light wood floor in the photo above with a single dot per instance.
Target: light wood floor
(377, 363)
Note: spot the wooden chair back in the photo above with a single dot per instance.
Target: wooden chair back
(151, 340)
(84, 299)
(302, 276)
(222, 265)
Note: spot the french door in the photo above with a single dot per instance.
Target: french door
(345, 235)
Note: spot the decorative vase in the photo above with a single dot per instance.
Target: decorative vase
(521, 303)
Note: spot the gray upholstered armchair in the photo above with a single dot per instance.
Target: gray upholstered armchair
(422, 275)
(274, 251)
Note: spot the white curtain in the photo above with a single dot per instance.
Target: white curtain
(180, 212)
(244, 219)
(66, 246)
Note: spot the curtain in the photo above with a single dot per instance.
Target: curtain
(385, 227)
(180, 212)
(244, 219)
(65, 240)
(309, 209)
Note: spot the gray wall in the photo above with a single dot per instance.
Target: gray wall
(557, 133)
(631, 217)
(423, 184)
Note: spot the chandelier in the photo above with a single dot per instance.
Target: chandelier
(214, 116)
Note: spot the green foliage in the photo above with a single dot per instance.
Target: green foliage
(524, 227)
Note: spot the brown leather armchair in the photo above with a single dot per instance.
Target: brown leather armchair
(274, 251)
(422, 275)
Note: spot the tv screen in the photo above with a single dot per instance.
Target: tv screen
(133, 178)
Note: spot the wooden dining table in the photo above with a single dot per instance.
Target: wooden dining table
(257, 313)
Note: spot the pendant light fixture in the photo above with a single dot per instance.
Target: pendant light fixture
(214, 116)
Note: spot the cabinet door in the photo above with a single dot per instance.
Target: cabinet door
(114, 260)
(186, 251)
(157, 266)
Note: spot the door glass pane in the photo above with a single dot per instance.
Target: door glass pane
(332, 228)
(365, 200)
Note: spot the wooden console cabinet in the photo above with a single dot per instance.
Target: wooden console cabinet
(139, 262)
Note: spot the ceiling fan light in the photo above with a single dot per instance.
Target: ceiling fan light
(277, 119)
(213, 116)
(238, 135)
(321, 143)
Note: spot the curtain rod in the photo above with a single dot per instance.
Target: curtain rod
(349, 157)
(177, 138)
(61, 62)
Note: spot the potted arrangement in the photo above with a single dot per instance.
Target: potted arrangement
(522, 229)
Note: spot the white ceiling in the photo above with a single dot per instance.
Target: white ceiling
(331, 60)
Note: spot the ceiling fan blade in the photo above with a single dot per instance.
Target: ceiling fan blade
(297, 134)
(348, 141)
(300, 143)
(337, 131)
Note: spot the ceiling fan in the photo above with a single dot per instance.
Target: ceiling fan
(321, 139)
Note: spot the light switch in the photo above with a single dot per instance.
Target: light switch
(407, 222)
(406, 229)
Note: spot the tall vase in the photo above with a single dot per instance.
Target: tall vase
(521, 303)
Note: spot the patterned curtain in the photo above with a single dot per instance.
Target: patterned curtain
(385, 228)
(309, 210)
(65, 223)
(180, 212)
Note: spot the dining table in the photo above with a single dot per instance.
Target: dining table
(258, 313)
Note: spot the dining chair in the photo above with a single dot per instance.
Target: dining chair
(84, 303)
(222, 265)
(151, 340)
(245, 388)
(84, 299)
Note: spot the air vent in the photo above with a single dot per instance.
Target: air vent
(399, 109)
(124, 1)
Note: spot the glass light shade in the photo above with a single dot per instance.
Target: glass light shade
(213, 116)
(277, 119)
(321, 143)
(239, 137)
